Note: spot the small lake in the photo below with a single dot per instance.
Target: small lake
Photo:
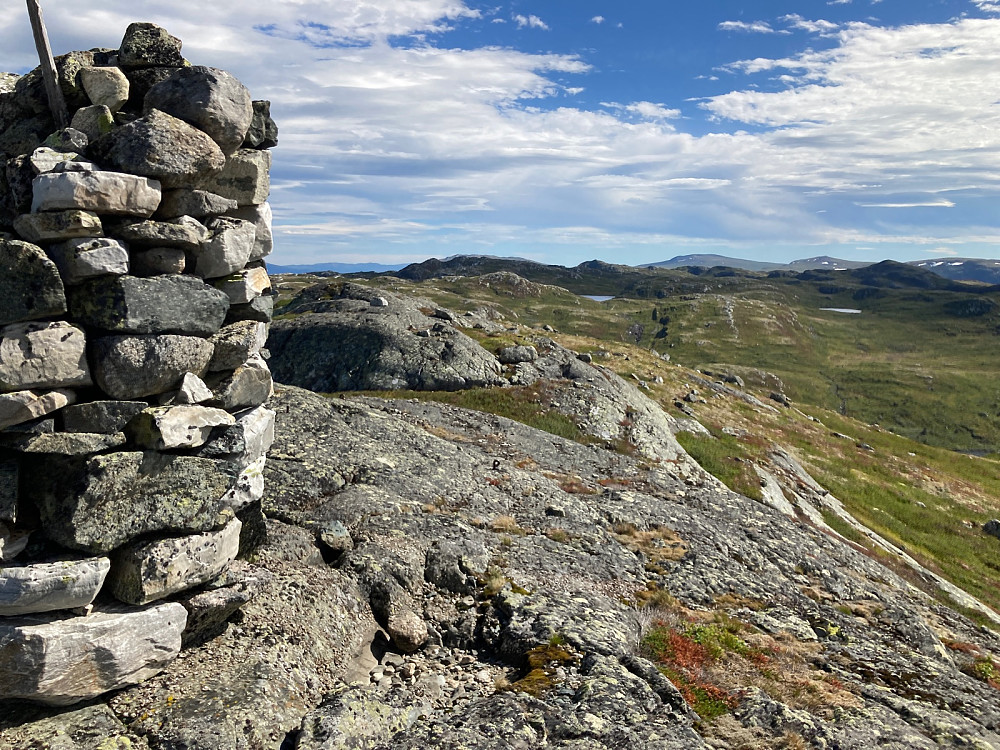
(847, 310)
(598, 297)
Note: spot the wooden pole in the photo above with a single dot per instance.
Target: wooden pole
(56, 101)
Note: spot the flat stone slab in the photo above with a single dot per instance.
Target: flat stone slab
(183, 233)
(149, 571)
(85, 258)
(248, 386)
(63, 443)
(247, 440)
(23, 406)
(227, 249)
(102, 192)
(103, 417)
(58, 226)
(64, 660)
(99, 503)
(261, 217)
(244, 286)
(46, 587)
(159, 304)
(236, 343)
(172, 427)
(245, 178)
(131, 367)
(196, 203)
(43, 355)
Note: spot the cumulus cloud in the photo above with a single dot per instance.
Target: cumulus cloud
(987, 6)
(597, 19)
(531, 22)
(813, 27)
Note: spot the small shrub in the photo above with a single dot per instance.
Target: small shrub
(507, 525)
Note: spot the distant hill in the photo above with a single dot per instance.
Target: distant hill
(983, 270)
(335, 267)
(714, 261)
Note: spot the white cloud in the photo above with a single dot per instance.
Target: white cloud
(987, 6)
(531, 22)
(813, 27)
(917, 204)
(756, 27)
(597, 19)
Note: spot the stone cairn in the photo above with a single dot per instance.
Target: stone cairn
(134, 307)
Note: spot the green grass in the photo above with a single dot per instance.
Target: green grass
(725, 458)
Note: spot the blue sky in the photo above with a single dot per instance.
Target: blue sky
(630, 131)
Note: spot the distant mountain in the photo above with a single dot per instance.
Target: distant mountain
(714, 261)
(335, 267)
(983, 270)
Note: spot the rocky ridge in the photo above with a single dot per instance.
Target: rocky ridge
(133, 315)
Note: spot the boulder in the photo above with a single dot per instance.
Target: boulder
(248, 386)
(67, 139)
(168, 427)
(93, 121)
(46, 587)
(244, 286)
(245, 177)
(84, 258)
(105, 86)
(101, 192)
(130, 367)
(236, 343)
(98, 503)
(58, 226)
(183, 233)
(63, 660)
(23, 406)
(147, 45)
(212, 100)
(63, 443)
(162, 147)
(261, 217)
(43, 355)
(227, 249)
(147, 571)
(160, 304)
(30, 286)
(263, 132)
(100, 417)
(992, 528)
(511, 355)
(196, 203)
(157, 261)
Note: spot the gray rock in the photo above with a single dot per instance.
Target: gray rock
(30, 286)
(160, 304)
(17, 197)
(259, 308)
(246, 441)
(992, 528)
(60, 661)
(193, 390)
(63, 443)
(345, 344)
(454, 566)
(169, 427)
(86, 728)
(260, 216)
(162, 147)
(263, 132)
(82, 259)
(148, 45)
(245, 178)
(97, 504)
(147, 571)
(12, 543)
(23, 406)
(158, 261)
(226, 250)
(105, 86)
(212, 100)
(249, 487)
(511, 355)
(248, 386)
(58, 226)
(101, 192)
(47, 587)
(130, 367)
(209, 610)
(196, 203)
(93, 121)
(101, 417)
(43, 355)
(67, 139)
(236, 343)
(183, 233)
(245, 286)
(353, 717)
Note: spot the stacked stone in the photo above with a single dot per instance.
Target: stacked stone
(134, 306)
